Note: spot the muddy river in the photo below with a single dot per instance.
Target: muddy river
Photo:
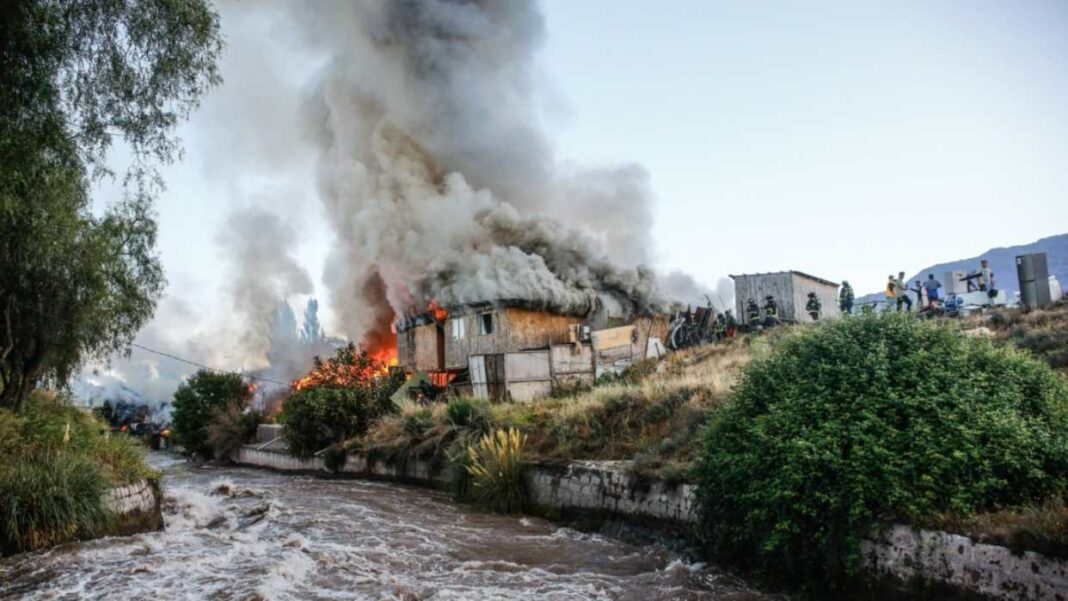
(244, 534)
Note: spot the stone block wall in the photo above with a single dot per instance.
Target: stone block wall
(606, 487)
(906, 554)
(138, 507)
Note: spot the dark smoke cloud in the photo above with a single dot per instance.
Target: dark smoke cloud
(438, 180)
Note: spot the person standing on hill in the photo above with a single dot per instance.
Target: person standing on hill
(845, 298)
(932, 285)
(891, 289)
(752, 312)
(813, 306)
(771, 312)
(901, 292)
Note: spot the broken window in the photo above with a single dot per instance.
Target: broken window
(458, 328)
(485, 324)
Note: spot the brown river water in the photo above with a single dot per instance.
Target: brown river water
(287, 537)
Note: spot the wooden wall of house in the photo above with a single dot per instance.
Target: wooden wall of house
(426, 354)
(457, 350)
(827, 294)
(756, 287)
(406, 349)
(651, 327)
(514, 329)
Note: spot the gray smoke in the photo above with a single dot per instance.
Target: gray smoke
(438, 180)
(257, 245)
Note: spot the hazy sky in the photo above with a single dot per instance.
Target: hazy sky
(845, 139)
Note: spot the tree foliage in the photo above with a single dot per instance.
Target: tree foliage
(74, 76)
(869, 421)
(351, 392)
(196, 403)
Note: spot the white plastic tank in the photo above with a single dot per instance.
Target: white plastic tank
(1055, 291)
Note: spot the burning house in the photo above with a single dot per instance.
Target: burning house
(508, 350)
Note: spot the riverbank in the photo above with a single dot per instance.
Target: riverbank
(905, 558)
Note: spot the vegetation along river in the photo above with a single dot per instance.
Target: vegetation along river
(234, 533)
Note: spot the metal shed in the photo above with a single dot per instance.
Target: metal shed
(790, 290)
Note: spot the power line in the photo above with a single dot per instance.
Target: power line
(202, 366)
(163, 354)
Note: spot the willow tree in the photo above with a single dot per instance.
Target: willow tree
(75, 77)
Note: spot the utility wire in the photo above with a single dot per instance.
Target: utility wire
(163, 354)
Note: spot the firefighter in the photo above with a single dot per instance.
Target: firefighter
(731, 322)
(813, 306)
(752, 312)
(771, 311)
(845, 299)
(719, 328)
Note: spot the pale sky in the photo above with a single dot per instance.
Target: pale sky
(845, 139)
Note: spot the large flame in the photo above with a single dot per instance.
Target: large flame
(351, 368)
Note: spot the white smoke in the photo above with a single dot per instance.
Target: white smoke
(438, 181)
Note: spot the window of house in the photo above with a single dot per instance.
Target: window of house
(485, 324)
(458, 327)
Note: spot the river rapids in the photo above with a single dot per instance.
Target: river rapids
(244, 534)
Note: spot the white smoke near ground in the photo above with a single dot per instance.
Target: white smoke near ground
(438, 180)
(684, 290)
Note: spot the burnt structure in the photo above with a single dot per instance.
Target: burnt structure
(509, 350)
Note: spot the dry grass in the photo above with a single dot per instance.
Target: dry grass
(654, 413)
(1044, 332)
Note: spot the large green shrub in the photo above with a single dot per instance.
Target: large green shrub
(195, 404)
(868, 421)
(316, 418)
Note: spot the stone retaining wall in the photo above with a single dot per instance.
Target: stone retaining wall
(138, 507)
(903, 553)
(906, 554)
(605, 486)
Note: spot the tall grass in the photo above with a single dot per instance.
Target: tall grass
(48, 500)
(57, 464)
(496, 470)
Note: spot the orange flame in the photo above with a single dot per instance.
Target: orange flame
(437, 310)
(354, 368)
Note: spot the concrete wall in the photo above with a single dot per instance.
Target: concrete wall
(906, 554)
(605, 487)
(138, 507)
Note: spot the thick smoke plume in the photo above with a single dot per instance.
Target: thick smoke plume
(438, 180)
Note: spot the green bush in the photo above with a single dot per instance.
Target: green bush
(195, 402)
(316, 418)
(867, 421)
(232, 426)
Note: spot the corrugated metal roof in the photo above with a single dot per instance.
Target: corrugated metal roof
(792, 271)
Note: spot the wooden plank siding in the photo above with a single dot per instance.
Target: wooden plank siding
(514, 329)
(790, 289)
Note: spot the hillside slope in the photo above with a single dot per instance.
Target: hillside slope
(1003, 262)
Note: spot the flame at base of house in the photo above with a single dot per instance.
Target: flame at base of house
(351, 366)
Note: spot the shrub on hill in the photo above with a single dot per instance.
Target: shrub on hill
(868, 421)
(196, 403)
(316, 418)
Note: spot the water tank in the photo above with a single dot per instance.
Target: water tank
(1034, 279)
(1055, 290)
